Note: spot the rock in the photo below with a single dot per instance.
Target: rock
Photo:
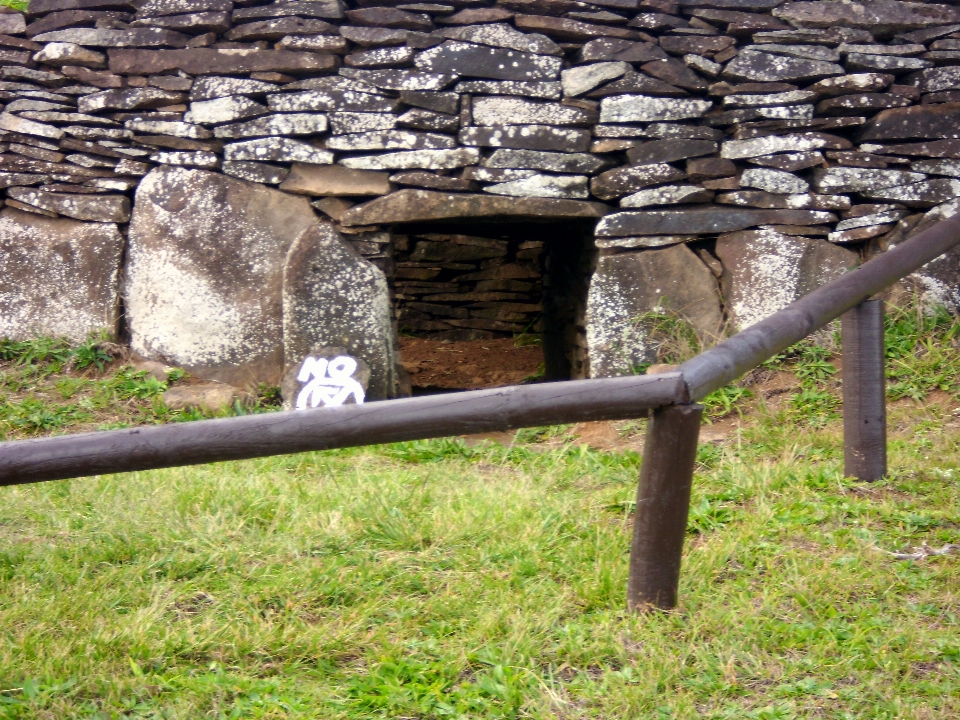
(212, 397)
(390, 140)
(921, 194)
(12, 123)
(327, 9)
(852, 179)
(415, 159)
(495, 111)
(12, 24)
(212, 87)
(937, 148)
(529, 137)
(441, 102)
(666, 195)
(861, 104)
(484, 174)
(314, 43)
(333, 297)
(277, 28)
(802, 142)
(858, 62)
(764, 67)
(941, 78)
(549, 161)
(773, 181)
(217, 22)
(924, 121)
(255, 172)
(98, 208)
(634, 83)
(458, 58)
(698, 45)
(223, 110)
(703, 221)
(59, 54)
(339, 392)
(174, 129)
(159, 8)
(937, 167)
(137, 37)
(564, 29)
(286, 124)
(708, 168)
(204, 273)
(388, 17)
(381, 58)
(938, 280)
(808, 52)
(791, 97)
(674, 72)
(199, 159)
(319, 100)
(625, 180)
(58, 277)
(501, 35)
(582, 79)
(798, 201)
(702, 65)
(472, 16)
(845, 84)
(764, 271)
(537, 89)
(127, 99)
(664, 151)
(640, 108)
(424, 205)
(627, 287)
(277, 149)
(791, 162)
(324, 180)
(423, 179)
(545, 186)
(611, 49)
(209, 61)
(881, 17)
(646, 241)
(400, 79)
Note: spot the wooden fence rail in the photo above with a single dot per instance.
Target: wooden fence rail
(663, 493)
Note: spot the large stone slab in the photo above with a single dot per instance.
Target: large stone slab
(766, 67)
(210, 61)
(934, 122)
(764, 271)
(642, 108)
(424, 205)
(333, 297)
(57, 276)
(458, 58)
(881, 17)
(704, 221)
(205, 270)
(628, 285)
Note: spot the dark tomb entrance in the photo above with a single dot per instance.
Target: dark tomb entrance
(488, 304)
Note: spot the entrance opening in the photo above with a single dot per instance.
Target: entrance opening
(482, 304)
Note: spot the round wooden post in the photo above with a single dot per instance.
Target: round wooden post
(864, 390)
(663, 501)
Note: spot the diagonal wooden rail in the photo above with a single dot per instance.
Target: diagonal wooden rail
(663, 493)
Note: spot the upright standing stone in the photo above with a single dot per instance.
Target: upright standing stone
(626, 286)
(333, 297)
(57, 276)
(205, 270)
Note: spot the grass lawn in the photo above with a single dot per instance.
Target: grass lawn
(436, 580)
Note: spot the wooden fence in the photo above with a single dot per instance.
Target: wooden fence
(669, 399)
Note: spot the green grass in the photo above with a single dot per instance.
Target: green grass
(434, 580)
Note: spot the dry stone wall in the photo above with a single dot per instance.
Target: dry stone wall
(733, 154)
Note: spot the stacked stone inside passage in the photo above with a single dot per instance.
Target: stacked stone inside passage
(727, 155)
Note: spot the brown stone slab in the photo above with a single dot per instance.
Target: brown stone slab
(704, 221)
(936, 122)
(424, 205)
(209, 61)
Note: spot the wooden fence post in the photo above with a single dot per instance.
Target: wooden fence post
(663, 501)
(864, 392)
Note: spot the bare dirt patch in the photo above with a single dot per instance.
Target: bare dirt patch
(468, 364)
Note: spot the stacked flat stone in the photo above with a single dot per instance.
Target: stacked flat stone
(733, 128)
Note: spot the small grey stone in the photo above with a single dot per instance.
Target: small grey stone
(831, 36)
(703, 220)
(321, 100)
(846, 84)
(134, 38)
(197, 159)
(529, 137)
(98, 208)
(277, 149)
(666, 195)
(127, 99)
(854, 179)
(224, 110)
(291, 124)
(889, 216)
(353, 122)
(584, 78)
(921, 194)
(314, 43)
(12, 123)
(335, 180)
(642, 108)
(558, 186)
(400, 79)
(738, 149)
(937, 167)
(459, 58)
(59, 54)
(504, 36)
(166, 127)
(255, 172)
(939, 79)
(210, 87)
(381, 57)
(702, 65)
(390, 140)
(549, 161)
(773, 181)
(792, 97)
(808, 52)
(415, 159)
(495, 111)
(420, 119)
(544, 90)
(857, 62)
(876, 49)
(626, 180)
(497, 175)
(765, 67)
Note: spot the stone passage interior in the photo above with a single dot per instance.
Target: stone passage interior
(480, 305)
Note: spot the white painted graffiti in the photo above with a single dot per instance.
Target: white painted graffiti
(329, 382)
